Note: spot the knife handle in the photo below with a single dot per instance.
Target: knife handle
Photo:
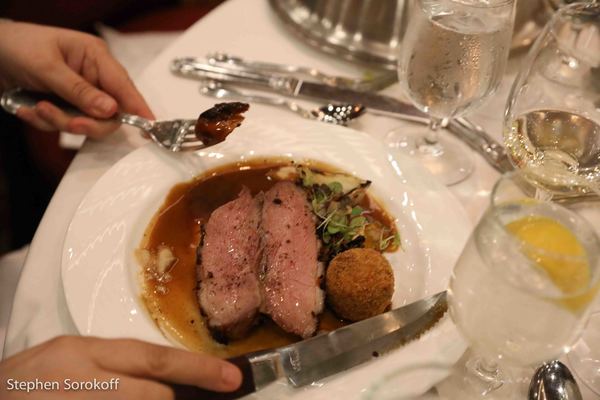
(189, 392)
(15, 98)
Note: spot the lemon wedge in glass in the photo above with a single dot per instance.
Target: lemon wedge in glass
(555, 249)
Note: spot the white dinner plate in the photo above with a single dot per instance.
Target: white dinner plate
(102, 281)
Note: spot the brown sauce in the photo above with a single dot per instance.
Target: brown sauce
(177, 226)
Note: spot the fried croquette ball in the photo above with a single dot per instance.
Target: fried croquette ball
(359, 283)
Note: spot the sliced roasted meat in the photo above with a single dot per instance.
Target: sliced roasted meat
(216, 123)
(291, 271)
(229, 291)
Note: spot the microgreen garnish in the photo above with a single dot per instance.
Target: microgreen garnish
(342, 221)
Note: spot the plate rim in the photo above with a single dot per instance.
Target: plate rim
(70, 231)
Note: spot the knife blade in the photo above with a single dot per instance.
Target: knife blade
(312, 359)
(474, 136)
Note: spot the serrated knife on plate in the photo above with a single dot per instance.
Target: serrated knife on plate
(292, 86)
(312, 359)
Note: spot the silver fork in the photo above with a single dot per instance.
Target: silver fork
(174, 135)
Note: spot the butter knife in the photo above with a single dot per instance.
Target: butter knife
(374, 81)
(475, 137)
(312, 359)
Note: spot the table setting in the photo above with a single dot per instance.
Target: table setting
(451, 147)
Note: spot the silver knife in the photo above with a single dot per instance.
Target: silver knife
(292, 86)
(472, 135)
(312, 359)
(376, 81)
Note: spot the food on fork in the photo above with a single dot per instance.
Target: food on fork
(216, 123)
(229, 290)
(360, 284)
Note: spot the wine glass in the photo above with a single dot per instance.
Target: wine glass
(552, 119)
(452, 58)
(521, 290)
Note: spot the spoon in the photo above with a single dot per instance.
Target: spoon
(553, 381)
(337, 114)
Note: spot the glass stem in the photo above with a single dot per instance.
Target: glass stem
(488, 372)
(431, 138)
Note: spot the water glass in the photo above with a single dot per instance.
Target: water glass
(521, 290)
(452, 59)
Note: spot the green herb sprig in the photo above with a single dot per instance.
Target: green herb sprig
(343, 223)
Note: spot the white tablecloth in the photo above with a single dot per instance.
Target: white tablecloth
(246, 28)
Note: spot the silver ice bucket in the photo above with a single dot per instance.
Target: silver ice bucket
(371, 30)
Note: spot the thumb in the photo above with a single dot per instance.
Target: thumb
(72, 87)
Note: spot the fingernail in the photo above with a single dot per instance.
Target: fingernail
(230, 375)
(104, 105)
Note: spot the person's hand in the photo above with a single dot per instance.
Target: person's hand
(77, 67)
(140, 368)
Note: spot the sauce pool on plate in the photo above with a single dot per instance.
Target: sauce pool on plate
(171, 297)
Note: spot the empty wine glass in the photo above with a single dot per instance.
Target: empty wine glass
(452, 58)
(521, 291)
(552, 119)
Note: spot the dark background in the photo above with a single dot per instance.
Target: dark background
(31, 162)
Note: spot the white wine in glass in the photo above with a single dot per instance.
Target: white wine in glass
(452, 59)
(552, 120)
